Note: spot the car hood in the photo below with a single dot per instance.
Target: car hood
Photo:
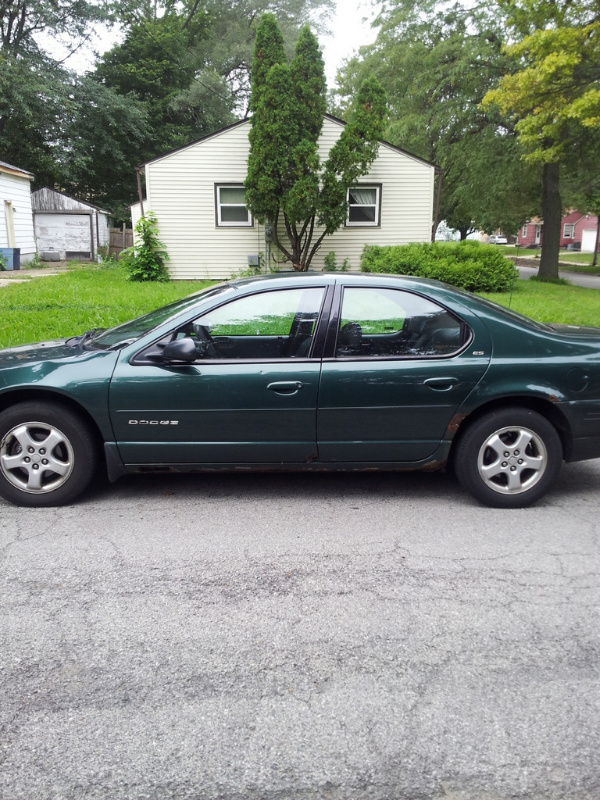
(40, 351)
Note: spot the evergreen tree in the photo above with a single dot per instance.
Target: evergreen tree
(286, 184)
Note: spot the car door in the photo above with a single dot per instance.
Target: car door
(249, 396)
(397, 369)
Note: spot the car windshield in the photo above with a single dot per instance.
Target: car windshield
(135, 328)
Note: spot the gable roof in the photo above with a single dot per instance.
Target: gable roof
(246, 121)
(38, 197)
(8, 169)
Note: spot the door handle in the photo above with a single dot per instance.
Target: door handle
(441, 384)
(285, 387)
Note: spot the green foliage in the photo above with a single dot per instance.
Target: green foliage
(331, 264)
(436, 63)
(285, 182)
(2, 263)
(146, 260)
(467, 265)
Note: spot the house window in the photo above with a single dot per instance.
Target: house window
(364, 205)
(569, 231)
(231, 206)
(524, 232)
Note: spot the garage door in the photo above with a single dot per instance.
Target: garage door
(588, 240)
(70, 234)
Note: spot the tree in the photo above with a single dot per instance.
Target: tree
(553, 95)
(436, 64)
(286, 183)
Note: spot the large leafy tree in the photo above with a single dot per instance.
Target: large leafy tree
(554, 97)
(436, 64)
(286, 183)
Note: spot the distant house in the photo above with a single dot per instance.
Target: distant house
(576, 229)
(197, 194)
(16, 224)
(66, 228)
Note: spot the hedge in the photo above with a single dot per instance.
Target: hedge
(468, 265)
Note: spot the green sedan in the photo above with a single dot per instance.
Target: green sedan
(305, 372)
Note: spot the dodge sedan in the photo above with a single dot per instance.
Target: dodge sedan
(305, 372)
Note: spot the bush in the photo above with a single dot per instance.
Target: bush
(146, 260)
(468, 265)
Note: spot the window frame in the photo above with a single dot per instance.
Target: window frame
(219, 223)
(335, 318)
(378, 194)
(524, 230)
(571, 234)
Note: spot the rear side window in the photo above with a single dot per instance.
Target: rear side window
(390, 322)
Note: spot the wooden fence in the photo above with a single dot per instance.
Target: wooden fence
(120, 238)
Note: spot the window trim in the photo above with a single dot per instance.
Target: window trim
(378, 193)
(524, 231)
(219, 223)
(570, 235)
(330, 356)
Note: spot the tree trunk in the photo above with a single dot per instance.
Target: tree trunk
(551, 214)
(464, 232)
(595, 258)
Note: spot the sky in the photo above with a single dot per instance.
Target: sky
(350, 31)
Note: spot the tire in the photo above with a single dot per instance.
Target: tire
(47, 454)
(509, 458)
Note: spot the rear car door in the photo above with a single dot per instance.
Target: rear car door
(397, 368)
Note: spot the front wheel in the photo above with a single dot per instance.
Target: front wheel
(47, 454)
(509, 458)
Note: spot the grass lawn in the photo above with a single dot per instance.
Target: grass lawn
(547, 302)
(99, 297)
(84, 297)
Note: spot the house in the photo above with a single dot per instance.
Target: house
(16, 223)
(576, 230)
(197, 195)
(66, 228)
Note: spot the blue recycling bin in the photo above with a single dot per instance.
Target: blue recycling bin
(11, 256)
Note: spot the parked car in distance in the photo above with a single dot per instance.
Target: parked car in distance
(494, 239)
(305, 372)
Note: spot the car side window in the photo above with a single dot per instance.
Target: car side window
(276, 324)
(383, 322)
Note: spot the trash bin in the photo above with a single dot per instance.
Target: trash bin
(11, 256)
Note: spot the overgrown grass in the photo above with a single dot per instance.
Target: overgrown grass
(85, 297)
(547, 302)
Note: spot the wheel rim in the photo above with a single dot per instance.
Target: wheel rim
(512, 460)
(36, 457)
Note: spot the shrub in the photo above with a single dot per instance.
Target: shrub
(146, 260)
(468, 265)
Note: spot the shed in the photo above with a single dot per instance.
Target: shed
(197, 195)
(16, 224)
(68, 228)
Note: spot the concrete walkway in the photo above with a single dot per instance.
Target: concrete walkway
(23, 275)
(576, 278)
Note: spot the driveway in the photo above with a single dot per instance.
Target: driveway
(576, 278)
(301, 637)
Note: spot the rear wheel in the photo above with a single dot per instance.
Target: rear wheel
(47, 454)
(509, 458)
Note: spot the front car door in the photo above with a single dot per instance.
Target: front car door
(398, 367)
(249, 396)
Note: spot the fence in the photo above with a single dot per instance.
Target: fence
(120, 238)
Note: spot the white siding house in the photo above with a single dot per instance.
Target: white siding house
(196, 193)
(68, 228)
(16, 223)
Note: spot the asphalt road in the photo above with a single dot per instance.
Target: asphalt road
(305, 637)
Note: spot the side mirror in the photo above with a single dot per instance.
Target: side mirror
(181, 350)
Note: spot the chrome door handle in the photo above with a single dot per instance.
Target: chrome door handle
(285, 387)
(441, 384)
